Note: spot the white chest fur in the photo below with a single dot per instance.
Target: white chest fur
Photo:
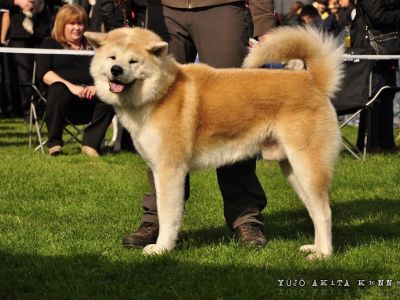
(146, 138)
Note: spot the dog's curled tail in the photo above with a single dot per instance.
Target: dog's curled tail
(320, 52)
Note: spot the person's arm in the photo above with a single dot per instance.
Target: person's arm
(45, 72)
(81, 91)
(24, 4)
(5, 25)
(262, 12)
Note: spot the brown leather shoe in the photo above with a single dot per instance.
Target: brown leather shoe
(376, 150)
(250, 234)
(146, 234)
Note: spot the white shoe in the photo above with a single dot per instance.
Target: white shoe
(89, 151)
(55, 150)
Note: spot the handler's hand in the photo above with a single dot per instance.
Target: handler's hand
(262, 38)
(293, 64)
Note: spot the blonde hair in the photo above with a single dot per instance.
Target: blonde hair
(66, 14)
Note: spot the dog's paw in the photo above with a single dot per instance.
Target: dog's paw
(315, 254)
(153, 249)
(308, 248)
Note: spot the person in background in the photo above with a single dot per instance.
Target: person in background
(119, 13)
(344, 17)
(310, 16)
(115, 14)
(216, 31)
(95, 21)
(334, 7)
(6, 107)
(23, 4)
(85, 5)
(4, 27)
(293, 17)
(71, 93)
(329, 22)
(346, 13)
(22, 36)
(384, 15)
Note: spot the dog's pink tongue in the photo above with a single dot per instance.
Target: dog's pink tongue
(116, 87)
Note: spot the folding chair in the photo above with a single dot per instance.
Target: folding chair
(36, 100)
(356, 96)
(38, 103)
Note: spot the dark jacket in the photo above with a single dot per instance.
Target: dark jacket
(189, 4)
(329, 23)
(111, 14)
(345, 16)
(384, 15)
(262, 11)
(42, 22)
(6, 3)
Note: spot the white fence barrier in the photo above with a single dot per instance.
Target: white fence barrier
(91, 52)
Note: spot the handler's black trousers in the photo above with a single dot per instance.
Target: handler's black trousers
(219, 35)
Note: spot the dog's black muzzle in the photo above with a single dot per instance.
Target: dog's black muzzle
(116, 70)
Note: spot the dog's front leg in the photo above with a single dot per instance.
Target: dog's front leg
(169, 183)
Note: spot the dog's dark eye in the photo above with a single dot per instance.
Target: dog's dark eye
(112, 57)
(132, 61)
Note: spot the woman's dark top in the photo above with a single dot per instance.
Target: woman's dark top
(74, 68)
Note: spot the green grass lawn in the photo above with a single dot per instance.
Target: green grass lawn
(62, 220)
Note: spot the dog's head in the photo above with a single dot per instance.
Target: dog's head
(129, 65)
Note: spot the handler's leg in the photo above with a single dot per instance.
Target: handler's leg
(244, 199)
(221, 37)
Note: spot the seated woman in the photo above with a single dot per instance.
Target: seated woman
(71, 93)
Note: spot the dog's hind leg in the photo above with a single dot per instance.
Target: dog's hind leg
(310, 178)
(170, 182)
(287, 170)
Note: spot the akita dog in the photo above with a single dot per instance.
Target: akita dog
(184, 117)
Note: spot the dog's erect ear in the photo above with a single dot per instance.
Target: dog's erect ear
(158, 48)
(96, 39)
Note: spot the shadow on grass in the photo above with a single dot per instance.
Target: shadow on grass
(13, 144)
(33, 276)
(13, 139)
(8, 121)
(206, 236)
(4, 127)
(13, 135)
(356, 222)
(94, 276)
